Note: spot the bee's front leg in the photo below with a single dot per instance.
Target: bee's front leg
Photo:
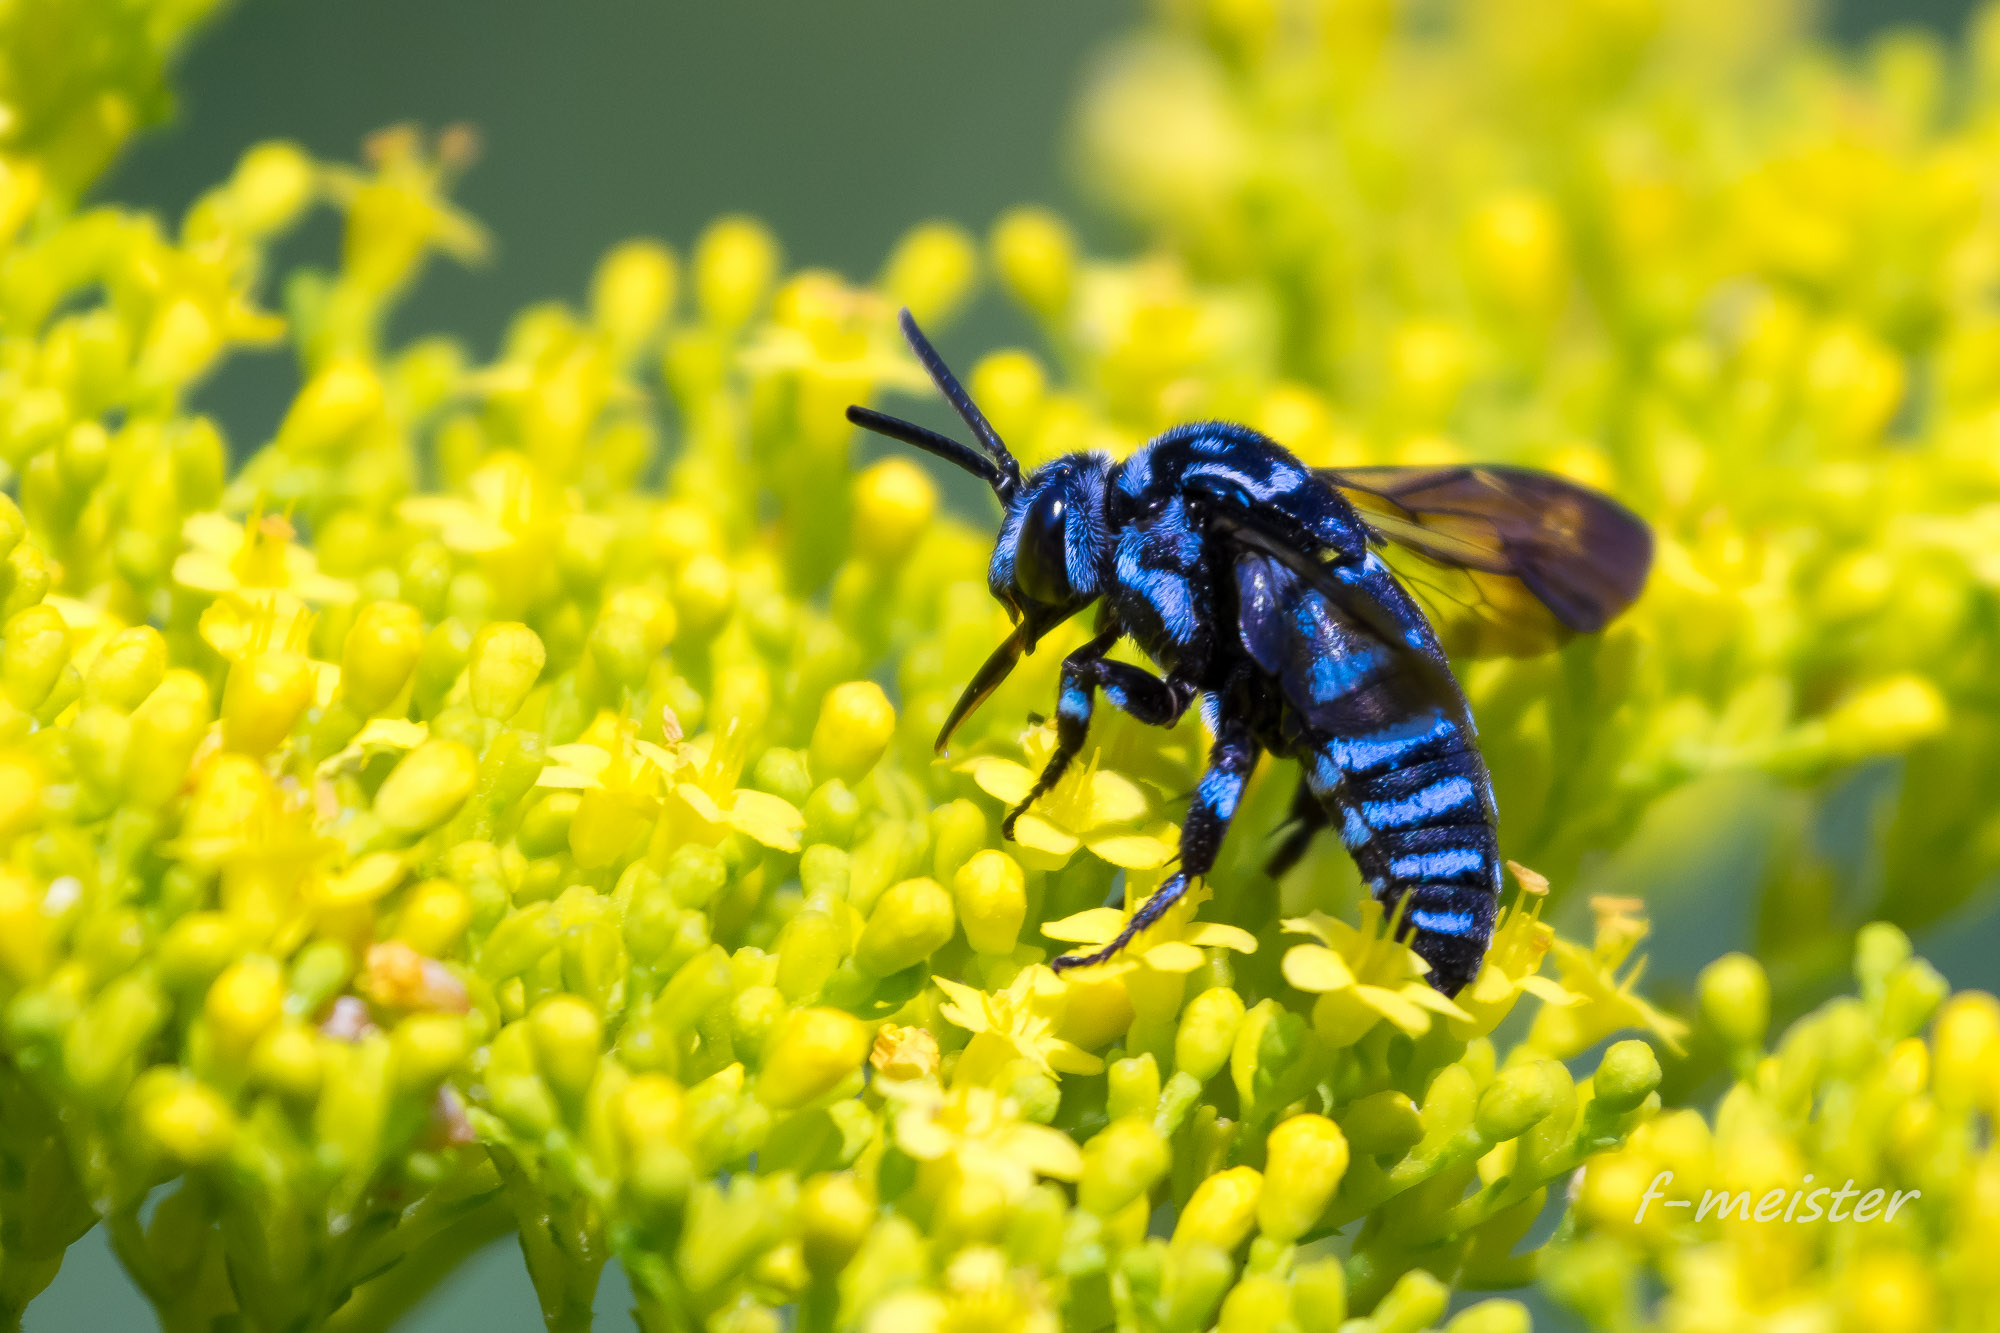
(1131, 689)
(1220, 791)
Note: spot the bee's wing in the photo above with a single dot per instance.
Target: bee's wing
(1510, 561)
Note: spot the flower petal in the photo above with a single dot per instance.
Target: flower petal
(1173, 956)
(1002, 779)
(1115, 799)
(1049, 1151)
(1314, 967)
(1132, 851)
(1069, 1058)
(1395, 1007)
(1548, 992)
(1214, 935)
(700, 802)
(591, 759)
(769, 819)
(204, 572)
(1425, 997)
(1093, 925)
(1036, 832)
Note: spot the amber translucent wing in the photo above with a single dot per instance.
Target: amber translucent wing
(1512, 561)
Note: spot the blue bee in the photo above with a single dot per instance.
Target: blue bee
(1255, 583)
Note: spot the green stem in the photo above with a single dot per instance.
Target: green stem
(380, 1302)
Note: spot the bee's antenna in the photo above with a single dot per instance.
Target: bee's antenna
(961, 401)
(943, 446)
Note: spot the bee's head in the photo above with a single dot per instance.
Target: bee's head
(1045, 565)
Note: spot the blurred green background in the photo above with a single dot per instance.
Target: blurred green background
(839, 122)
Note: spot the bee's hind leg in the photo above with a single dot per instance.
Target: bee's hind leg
(1304, 823)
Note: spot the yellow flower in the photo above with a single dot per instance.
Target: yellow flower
(254, 559)
(1513, 963)
(1017, 1023)
(509, 509)
(1363, 975)
(1090, 807)
(979, 1135)
(703, 791)
(1171, 944)
(1609, 1002)
(382, 735)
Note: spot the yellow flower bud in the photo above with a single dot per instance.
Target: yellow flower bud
(1222, 1209)
(427, 786)
(1515, 1101)
(1307, 1156)
(705, 593)
(812, 1053)
(188, 1122)
(233, 791)
(1736, 999)
(835, 1214)
(1207, 1033)
(683, 531)
(735, 262)
(567, 1036)
(263, 698)
(1417, 1301)
(1011, 387)
(23, 928)
(435, 917)
(426, 1048)
(332, 406)
(1890, 1292)
(379, 654)
(1887, 716)
(633, 291)
(272, 185)
(1494, 1316)
(286, 1059)
(911, 921)
(507, 658)
(166, 729)
(130, 665)
(991, 896)
(1626, 1075)
(1968, 1048)
(1133, 1086)
(649, 1110)
(894, 502)
(855, 725)
(1036, 256)
(932, 271)
(1121, 1162)
(1257, 1304)
(20, 793)
(34, 648)
(1319, 1295)
(1516, 248)
(245, 1000)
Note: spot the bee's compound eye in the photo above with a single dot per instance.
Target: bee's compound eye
(1041, 566)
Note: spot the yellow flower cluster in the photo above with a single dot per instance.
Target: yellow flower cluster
(504, 799)
(1846, 1180)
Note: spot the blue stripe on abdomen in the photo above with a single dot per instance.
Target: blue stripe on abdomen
(1392, 744)
(1452, 921)
(1447, 863)
(1443, 797)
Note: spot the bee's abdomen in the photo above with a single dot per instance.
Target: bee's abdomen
(1413, 804)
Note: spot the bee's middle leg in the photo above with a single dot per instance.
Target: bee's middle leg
(1131, 689)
